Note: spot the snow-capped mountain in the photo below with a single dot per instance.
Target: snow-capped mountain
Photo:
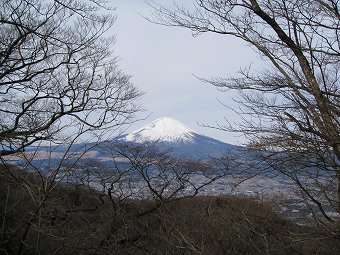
(163, 130)
(165, 133)
(183, 141)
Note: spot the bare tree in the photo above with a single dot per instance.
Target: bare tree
(146, 179)
(58, 75)
(148, 172)
(115, 199)
(292, 108)
(59, 84)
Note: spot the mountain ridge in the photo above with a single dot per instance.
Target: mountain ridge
(170, 133)
(165, 133)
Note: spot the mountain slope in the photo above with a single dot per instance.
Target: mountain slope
(169, 133)
(166, 133)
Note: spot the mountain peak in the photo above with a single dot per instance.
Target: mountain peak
(164, 129)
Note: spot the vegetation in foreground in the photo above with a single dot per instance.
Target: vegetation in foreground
(78, 220)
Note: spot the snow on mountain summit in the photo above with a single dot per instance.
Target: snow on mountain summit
(163, 129)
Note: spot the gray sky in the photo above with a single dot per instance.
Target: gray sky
(163, 62)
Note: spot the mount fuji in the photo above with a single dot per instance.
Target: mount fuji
(165, 133)
(164, 130)
(183, 141)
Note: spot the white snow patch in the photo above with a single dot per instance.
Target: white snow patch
(163, 129)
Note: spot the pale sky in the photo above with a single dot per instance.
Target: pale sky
(163, 62)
